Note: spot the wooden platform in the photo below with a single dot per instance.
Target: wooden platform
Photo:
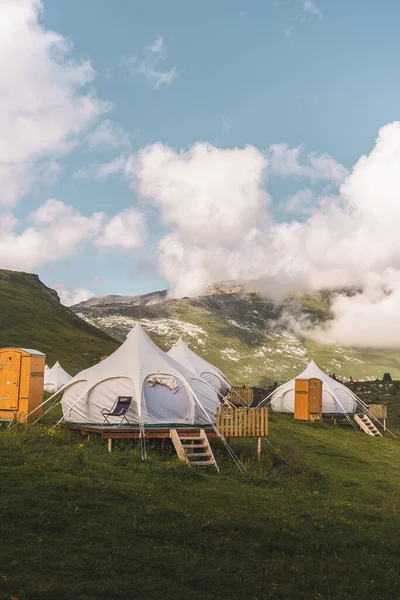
(122, 432)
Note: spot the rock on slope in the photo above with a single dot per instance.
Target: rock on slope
(240, 332)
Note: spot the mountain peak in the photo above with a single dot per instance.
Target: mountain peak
(232, 286)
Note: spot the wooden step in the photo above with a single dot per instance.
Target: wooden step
(189, 446)
(188, 452)
(366, 425)
(201, 454)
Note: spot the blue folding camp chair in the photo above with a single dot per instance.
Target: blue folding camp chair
(119, 409)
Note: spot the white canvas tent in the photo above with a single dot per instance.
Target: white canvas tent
(55, 378)
(336, 397)
(189, 359)
(163, 391)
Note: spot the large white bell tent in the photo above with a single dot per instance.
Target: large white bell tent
(336, 397)
(55, 378)
(189, 359)
(163, 391)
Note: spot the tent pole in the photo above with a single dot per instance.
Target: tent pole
(69, 410)
(47, 411)
(37, 408)
(222, 438)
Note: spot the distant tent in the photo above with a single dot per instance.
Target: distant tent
(163, 391)
(336, 397)
(55, 378)
(189, 359)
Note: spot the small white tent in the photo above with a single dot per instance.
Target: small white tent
(163, 391)
(336, 397)
(55, 378)
(189, 359)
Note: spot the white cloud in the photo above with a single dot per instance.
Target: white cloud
(311, 7)
(53, 232)
(49, 172)
(126, 230)
(293, 162)
(302, 202)
(102, 171)
(107, 136)
(44, 103)
(51, 211)
(148, 66)
(370, 318)
(207, 193)
(217, 209)
(72, 297)
(18, 179)
(15, 181)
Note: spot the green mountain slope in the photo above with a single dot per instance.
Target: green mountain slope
(31, 316)
(247, 336)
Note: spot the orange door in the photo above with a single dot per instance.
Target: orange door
(315, 396)
(301, 399)
(10, 368)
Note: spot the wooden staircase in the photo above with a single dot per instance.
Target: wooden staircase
(367, 425)
(194, 448)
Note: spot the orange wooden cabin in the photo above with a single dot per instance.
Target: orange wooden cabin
(308, 399)
(21, 384)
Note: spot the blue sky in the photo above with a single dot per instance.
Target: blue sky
(319, 75)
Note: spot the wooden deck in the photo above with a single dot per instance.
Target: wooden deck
(122, 432)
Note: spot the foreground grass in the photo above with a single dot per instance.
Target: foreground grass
(79, 523)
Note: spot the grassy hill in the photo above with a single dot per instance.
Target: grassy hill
(31, 316)
(317, 520)
(244, 334)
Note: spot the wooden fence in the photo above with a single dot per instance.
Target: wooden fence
(379, 411)
(241, 396)
(242, 422)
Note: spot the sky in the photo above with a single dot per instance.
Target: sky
(152, 145)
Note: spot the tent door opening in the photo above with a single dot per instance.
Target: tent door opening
(10, 370)
(308, 399)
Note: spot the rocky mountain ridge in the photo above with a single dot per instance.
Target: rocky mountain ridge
(249, 337)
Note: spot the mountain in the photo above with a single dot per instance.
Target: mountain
(246, 335)
(31, 316)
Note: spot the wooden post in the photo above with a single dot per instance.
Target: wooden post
(384, 424)
(259, 448)
(109, 444)
(89, 437)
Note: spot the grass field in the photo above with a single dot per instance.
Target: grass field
(78, 523)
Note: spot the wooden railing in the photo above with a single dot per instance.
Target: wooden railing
(379, 411)
(241, 396)
(242, 422)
